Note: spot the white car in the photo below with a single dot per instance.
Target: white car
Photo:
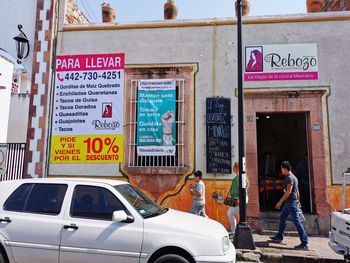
(339, 236)
(101, 221)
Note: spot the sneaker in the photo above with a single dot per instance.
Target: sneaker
(276, 240)
(302, 247)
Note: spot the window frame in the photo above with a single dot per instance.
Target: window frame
(73, 199)
(28, 197)
(183, 72)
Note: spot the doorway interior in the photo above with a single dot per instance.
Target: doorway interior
(280, 137)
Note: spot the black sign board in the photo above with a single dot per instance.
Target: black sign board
(218, 125)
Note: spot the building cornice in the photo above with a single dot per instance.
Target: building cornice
(297, 18)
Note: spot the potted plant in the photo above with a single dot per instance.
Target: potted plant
(315, 5)
(108, 13)
(170, 10)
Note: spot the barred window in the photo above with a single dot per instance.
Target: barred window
(169, 162)
(175, 160)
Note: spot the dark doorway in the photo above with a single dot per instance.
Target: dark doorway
(280, 137)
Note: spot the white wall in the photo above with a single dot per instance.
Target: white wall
(18, 121)
(16, 12)
(6, 71)
(13, 13)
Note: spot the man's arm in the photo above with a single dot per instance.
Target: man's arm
(197, 193)
(285, 196)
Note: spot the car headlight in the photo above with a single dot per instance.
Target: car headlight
(225, 244)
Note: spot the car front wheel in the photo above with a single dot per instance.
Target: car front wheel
(2, 257)
(171, 258)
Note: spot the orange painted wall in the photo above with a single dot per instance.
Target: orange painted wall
(183, 200)
(335, 196)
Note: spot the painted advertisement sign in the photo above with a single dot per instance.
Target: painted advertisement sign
(156, 129)
(88, 115)
(281, 62)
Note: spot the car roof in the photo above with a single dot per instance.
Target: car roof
(70, 179)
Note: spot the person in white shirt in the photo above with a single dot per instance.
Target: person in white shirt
(198, 195)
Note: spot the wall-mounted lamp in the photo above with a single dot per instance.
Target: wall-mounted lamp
(22, 45)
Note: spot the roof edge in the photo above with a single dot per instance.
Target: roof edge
(294, 18)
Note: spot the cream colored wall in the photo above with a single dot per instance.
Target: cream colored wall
(18, 121)
(13, 13)
(179, 42)
(6, 71)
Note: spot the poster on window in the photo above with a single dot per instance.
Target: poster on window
(88, 109)
(156, 115)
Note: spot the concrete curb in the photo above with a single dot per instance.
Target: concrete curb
(285, 253)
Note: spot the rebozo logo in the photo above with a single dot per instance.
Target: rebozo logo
(105, 125)
(107, 110)
(293, 62)
(254, 59)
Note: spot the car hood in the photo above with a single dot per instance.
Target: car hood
(192, 232)
(174, 219)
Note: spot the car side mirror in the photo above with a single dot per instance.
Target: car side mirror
(122, 216)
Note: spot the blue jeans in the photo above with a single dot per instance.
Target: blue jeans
(291, 209)
(231, 213)
(198, 209)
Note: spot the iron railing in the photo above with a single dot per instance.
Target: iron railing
(14, 161)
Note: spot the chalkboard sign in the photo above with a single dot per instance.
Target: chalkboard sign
(218, 126)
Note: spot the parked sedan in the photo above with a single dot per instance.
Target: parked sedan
(92, 220)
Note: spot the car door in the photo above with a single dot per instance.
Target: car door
(34, 222)
(90, 235)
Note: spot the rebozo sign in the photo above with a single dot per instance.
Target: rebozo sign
(281, 62)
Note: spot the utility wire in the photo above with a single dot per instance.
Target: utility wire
(87, 11)
(92, 11)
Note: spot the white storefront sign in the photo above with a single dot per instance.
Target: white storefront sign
(281, 62)
(88, 114)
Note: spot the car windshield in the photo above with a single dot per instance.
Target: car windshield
(141, 202)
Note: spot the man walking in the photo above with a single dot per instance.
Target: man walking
(198, 195)
(290, 208)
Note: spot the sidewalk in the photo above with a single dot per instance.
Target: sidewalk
(269, 252)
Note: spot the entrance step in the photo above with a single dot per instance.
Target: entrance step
(269, 222)
(273, 224)
(272, 233)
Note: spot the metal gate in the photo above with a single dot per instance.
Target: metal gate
(14, 161)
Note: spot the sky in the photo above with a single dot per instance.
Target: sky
(150, 10)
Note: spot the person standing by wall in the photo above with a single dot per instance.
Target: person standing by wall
(290, 208)
(198, 195)
(234, 193)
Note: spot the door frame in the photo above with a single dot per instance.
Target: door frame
(303, 118)
(313, 101)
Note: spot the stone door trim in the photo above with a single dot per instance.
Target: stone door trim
(312, 101)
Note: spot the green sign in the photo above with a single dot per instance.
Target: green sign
(156, 115)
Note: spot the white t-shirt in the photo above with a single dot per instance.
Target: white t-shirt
(199, 188)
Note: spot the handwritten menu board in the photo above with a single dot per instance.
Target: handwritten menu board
(218, 126)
